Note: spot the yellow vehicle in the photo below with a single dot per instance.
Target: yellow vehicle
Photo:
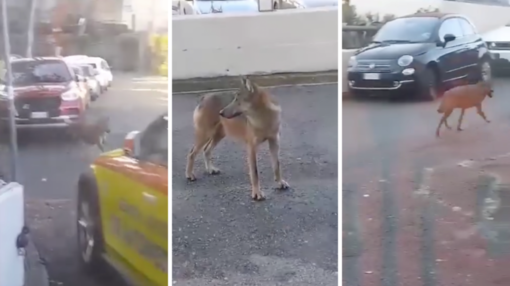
(122, 209)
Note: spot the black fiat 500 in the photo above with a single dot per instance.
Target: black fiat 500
(419, 55)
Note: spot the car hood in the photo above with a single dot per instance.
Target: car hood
(392, 51)
(43, 89)
(227, 6)
(501, 34)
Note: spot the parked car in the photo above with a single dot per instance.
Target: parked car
(105, 76)
(498, 41)
(90, 76)
(422, 54)
(82, 85)
(182, 7)
(235, 6)
(47, 93)
(122, 208)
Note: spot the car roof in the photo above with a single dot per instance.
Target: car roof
(437, 15)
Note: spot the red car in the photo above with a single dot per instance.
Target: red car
(47, 93)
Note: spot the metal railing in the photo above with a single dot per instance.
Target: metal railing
(355, 37)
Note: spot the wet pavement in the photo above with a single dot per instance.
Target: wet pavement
(421, 210)
(221, 237)
(50, 165)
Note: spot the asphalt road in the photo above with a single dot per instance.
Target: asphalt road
(421, 210)
(221, 237)
(50, 164)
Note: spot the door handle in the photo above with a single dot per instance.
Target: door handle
(149, 197)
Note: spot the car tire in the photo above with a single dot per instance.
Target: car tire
(428, 85)
(89, 227)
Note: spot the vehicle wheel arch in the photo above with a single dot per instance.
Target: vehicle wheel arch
(433, 65)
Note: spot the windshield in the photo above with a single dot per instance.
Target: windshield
(33, 72)
(86, 71)
(417, 29)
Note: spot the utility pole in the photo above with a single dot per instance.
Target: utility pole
(10, 93)
(30, 32)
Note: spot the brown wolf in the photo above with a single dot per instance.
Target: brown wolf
(463, 97)
(90, 133)
(251, 116)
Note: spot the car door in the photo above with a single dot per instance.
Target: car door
(451, 60)
(474, 43)
(135, 207)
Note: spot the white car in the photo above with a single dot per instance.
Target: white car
(105, 76)
(498, 41)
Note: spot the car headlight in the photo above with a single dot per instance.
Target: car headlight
(404, 61)
(352, 62)
(491, 45)
(69, 95)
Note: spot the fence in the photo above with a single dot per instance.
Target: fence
(355, 37)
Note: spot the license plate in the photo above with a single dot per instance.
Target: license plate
(38, 115)
(371, 76)
(495, 56)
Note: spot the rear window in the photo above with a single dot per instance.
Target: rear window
(40, 71)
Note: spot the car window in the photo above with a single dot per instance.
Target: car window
(40, 71)
(413, 29)
(85, 71)
(77, 71)
(154, 142)
(451, 26)
(467, 28)
(104, 65)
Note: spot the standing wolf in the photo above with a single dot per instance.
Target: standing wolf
(251, 116)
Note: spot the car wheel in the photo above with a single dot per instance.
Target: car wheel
(89, 228)
(427, 87)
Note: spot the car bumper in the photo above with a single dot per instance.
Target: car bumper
(388, 83)
(53, 122)
(500, 60)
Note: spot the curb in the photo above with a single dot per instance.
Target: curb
(35, 268)
(230, 82)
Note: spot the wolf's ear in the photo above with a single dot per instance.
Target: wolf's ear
(247, 84)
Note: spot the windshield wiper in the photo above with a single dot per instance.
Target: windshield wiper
(398, 41)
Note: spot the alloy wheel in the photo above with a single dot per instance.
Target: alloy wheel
(85, 232)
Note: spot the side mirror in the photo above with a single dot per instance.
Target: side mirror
(448, 38)
(131, 143)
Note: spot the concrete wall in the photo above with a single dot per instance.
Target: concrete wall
(257, 43)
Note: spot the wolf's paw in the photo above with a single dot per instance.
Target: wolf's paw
(282, 185)
(191, 178)
(214, 171)
(258, 196)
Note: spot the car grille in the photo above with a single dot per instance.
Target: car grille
(500, 46)
(25, 106)
(374, 83)
(374, 66)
